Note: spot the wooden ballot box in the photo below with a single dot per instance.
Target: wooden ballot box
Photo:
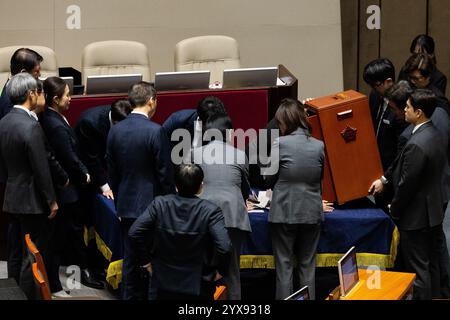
(343, 122)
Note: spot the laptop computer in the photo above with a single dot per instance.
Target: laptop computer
(185, 80)
(302, 294)
(348, 272)
(250, 77)
(117, 83)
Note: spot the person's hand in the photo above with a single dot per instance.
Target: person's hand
(307, 100)
(67, 183)
(88, 178)
(218, 276)
(376, 187)
(108, 194)
(149, 268)
(327, 206)
(251, 205)
(53, 210)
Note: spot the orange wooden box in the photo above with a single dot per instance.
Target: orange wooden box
(343, 122)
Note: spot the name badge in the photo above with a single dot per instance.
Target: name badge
(386, 121)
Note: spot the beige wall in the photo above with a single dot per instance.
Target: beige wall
(304, 35)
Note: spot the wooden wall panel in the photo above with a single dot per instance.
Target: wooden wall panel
(349, 20)
(439, 29)
(401, 22)
(369, 43)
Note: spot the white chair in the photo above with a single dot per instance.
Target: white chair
(213, 52)
(115, 57)
(49, 67)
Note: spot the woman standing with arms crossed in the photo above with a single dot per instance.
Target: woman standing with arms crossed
(296, 208)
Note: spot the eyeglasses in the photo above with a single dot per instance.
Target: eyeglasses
(376, 85)
(414, 78)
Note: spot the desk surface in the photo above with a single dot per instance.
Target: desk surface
(392, 286)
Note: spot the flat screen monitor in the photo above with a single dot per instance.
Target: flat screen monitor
(166, 81)
(348, 272)
(302, 294)
(117, 83)
(250, 77)
(69, 81)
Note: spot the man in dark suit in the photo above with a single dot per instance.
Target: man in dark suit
(139, 169)
(92, 131)
(23, 60)
(29, 194)
(380, 75)
(176, 237)
(188, 119)
(417, 205)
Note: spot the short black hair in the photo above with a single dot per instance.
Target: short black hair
(24, 59)
(140, 93)
(120, 109)
(425, 100)
(209, 106)
(219, 122)
(399, 93)
(188, 179)
(379, 70)
(422, 62)
(53, 87)
(425, 43)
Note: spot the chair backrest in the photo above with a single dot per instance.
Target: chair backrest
(115, 57)
(44, 288)
(220, 293)
(35, 257)
(49, 67)
(214, 53)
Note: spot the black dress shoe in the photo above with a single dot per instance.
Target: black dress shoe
(88, 280)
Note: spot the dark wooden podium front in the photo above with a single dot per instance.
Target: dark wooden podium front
(247, 107)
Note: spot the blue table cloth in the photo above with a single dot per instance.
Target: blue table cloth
(369, 229)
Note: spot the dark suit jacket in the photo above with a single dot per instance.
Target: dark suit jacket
(5, 103)
(92, 131)
(183, 119)
(139, 166)
(64, 143)
(390, 129)
(179, 236)
(23, 159)
(417, 179)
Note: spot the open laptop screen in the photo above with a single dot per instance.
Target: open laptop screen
(250, 77)
(166, 81)
(348, 272)
(302, 294)
(117, 83)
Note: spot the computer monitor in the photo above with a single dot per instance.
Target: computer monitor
(69, 81)
(348, 272)
(166, 81)
(250, 77)
(302, 294)
(117, 83)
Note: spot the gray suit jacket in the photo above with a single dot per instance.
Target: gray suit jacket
(297, 194)
(23, 158)
(226, 181)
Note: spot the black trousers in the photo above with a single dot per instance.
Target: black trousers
(420, 251)
(14, 248)
(38, 226)
(207, 289)
(135, 280)
(68, 244)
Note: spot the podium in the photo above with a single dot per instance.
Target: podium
(343, 122)
(389, 286)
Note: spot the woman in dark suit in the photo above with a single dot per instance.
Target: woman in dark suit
(296, 208)
(69, 226)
